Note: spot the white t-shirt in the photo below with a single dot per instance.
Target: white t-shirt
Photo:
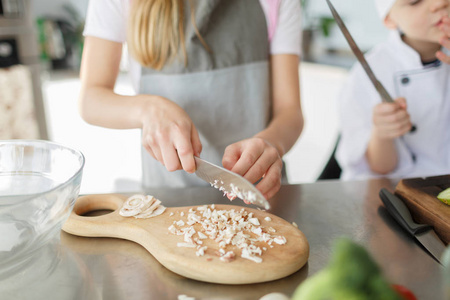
(107, 19)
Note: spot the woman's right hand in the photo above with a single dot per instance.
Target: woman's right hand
(169, 134)
(391, 120)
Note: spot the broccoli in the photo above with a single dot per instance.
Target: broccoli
(351, 275)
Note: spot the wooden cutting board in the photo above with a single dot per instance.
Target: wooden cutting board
(152, 233)
(420, 195)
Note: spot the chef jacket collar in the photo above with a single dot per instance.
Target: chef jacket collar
(404, 53)
(410, 57)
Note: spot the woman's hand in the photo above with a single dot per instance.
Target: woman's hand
(255, 158)
(445, 40)
(391, 120)
(169, 135)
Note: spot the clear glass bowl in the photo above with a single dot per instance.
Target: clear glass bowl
(39, 183)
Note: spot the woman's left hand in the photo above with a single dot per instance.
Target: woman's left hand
(445, 40)
(256, 158)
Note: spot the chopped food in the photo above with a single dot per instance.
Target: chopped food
(234, 192)
(142, 207)
(444, 196)
(227, 228)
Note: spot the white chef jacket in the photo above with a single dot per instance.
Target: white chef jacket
(399, 68)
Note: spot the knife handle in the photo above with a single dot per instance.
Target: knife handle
(401, 213)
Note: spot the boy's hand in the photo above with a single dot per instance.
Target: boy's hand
(391, 120)
(445, 40)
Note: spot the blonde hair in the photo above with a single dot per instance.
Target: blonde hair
(156, 31)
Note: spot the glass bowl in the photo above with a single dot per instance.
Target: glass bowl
(39, 183)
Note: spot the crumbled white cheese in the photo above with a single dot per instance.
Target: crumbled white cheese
(280, 240)
(237, 228)
(254, 221)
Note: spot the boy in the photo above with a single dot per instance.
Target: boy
(376, 137)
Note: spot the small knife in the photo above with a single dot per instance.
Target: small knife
(229, 182)
(425, 234)
(362, 60)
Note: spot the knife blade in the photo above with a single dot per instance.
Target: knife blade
(424, 233)
(359, 55)
(229, 182)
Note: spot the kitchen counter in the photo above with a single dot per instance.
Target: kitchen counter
(105, 268)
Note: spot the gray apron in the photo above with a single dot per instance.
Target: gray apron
(225, 92)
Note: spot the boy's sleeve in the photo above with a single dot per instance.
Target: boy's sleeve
(106, 19)
(355, 104)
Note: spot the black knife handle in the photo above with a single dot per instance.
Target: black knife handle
(401, 213)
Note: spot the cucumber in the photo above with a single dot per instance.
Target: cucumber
(444, 196)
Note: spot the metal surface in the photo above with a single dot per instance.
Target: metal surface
(359, 55)
(229, 182)
(106, 268)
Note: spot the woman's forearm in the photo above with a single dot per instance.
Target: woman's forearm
(102, 107)
(284, 130)
(287, 121)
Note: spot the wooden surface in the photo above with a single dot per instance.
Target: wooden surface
(278, 262)
(420, 195)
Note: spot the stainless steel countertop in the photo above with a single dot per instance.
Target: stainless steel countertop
(105, 268)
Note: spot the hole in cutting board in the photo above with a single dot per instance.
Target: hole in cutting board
(98, 212)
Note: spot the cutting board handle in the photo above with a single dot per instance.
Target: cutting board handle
(401, 213)
(103, 225)
(90, 203)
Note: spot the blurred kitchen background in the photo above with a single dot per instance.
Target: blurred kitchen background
(40, 49)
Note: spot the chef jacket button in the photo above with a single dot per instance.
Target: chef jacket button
(405, 80)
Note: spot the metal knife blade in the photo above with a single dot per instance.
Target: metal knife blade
(229, 182)
(425, 234)
(359, 55)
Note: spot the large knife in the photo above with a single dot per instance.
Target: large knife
(362, 60)
(228, 182)
(425, 234)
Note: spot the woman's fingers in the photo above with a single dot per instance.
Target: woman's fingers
(264, 163)
(196, 143)
(248, 159)
(170, 157)
(231, 155)
(185, 150)
(152, 147)
(271, 182)
(254, 159)
(170, 136)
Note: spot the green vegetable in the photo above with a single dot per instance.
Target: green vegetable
(351, 275)
(444, 196)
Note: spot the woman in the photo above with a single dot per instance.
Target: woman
(208, 81)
